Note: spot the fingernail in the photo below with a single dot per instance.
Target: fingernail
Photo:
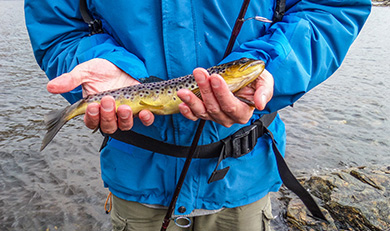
(107, 105)
(186, 98)
(93, 111)
(124, 114)
(185, 110)
(215, 82)
(200, 78)
(146, 117)
(264, 100)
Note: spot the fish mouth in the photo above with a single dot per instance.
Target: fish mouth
(249, 70)
(250, 64)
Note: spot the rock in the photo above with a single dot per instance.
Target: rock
(353, 199)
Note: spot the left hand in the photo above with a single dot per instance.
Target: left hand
(97, 75)
(219, 104)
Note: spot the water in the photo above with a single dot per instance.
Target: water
(342, 123)
(60, 188)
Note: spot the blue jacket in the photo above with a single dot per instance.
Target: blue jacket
(170, 38)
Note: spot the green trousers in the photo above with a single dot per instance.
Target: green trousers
(132, 216)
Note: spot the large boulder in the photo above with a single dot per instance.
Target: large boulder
(353, 199)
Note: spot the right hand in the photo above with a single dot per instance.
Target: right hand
(95, 76)
(219, 104)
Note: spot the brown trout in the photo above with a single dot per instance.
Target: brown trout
(158, 97)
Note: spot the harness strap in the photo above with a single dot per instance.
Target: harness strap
(240, 143)
(293, 184)
(280, 9)
(236, 145)
(95, 25)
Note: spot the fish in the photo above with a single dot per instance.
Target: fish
(158, 97)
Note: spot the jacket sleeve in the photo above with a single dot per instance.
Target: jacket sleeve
(60, 40)
(307, 46)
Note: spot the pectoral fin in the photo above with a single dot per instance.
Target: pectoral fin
(151, 105)
(250, 103)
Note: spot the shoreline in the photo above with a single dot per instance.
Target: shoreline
(356, 198)
(380, 2)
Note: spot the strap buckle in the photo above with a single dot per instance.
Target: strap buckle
(95, 27)
(244, 140)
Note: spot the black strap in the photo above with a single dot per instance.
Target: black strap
(238, 144)
(95, 25)
(285, 173)
(293, 184)
(280, 9)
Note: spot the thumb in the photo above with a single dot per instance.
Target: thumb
(65, 82)
(264, 90)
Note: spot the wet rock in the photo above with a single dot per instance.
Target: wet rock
(353, 199)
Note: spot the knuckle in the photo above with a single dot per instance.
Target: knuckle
(243, 120)
(203, 115)
(89, 123)
(227, 124)
(206, 91)
(109, 130)
(108, 119)
(125, 127)
(213, 110)
(228, 109)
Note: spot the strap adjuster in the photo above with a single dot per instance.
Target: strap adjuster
(95, 27)
(245, 140)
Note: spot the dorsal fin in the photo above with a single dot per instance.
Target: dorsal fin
(150, 79)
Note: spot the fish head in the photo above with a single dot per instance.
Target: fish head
(239, 73)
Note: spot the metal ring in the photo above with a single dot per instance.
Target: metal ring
(183, 218)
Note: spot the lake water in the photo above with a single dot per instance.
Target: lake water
(342, 123)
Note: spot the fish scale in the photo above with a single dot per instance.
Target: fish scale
(158, 97)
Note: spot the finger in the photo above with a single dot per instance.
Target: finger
(225, 99)
(202, 79)
(65, 82)
(146, 117)
(92, 116)
(210, 101)
(186, 112)
(125, 117)
(264, 90)
(232, 109)
(108, 120)
(193, 103)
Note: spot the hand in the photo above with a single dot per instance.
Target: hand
(219, 104)
(95, 76)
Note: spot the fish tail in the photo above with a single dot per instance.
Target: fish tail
(56, 119)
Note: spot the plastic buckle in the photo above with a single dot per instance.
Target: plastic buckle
(95, 27)
(244, 141)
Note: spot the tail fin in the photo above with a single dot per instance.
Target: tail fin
(55, 119)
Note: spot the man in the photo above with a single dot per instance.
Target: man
(169, 39)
